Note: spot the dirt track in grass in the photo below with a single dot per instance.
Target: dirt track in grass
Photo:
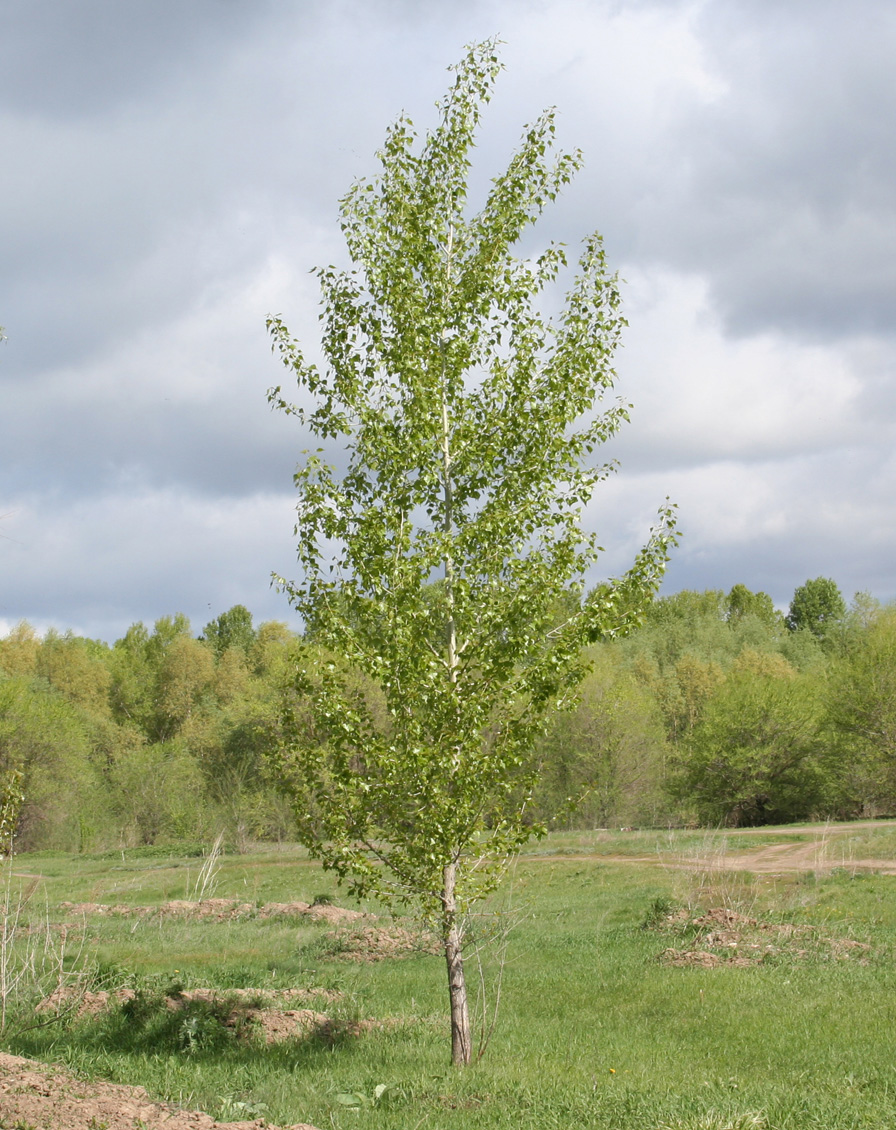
(828, 849)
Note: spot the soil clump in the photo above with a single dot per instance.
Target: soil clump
(721, 936)
(34, 1094)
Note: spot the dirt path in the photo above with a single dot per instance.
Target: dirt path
(818, 855)
(826, 850)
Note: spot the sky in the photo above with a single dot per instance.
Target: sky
(170, 172)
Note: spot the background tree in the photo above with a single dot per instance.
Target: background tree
(19, 649)
(603, 763)
(754, 756)
(157, 737)
(133, 679)
(862, 708)
(685, 623)
(271, 649)
(45, 742)
(157, 794)
(185, 676)
(232, 629)
(468, 418)
(11, 800)
(741, 602)
(76, 667)
(816, 606)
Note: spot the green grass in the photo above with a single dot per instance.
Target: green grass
(594, 1031)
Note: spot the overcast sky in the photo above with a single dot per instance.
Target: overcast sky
(170, 171)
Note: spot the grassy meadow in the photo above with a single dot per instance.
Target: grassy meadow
(624, 1004)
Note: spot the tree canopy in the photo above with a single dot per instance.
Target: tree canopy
(816, 606)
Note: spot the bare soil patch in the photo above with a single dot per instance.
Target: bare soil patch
(48, 1098)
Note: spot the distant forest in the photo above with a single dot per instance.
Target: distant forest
(717, 710)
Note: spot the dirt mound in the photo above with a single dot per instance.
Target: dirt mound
(700, 959)
(320, 911)
(205, 908)
(373, 943)
(220, 910)
(90, 909)
(278, 1024)
(722, 936)
(78, 1002)
(722, 916)
(268, 996)
(33, 1094)
(256, 1011)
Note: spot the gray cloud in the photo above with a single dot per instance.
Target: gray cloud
(88, 58)
(783, 189)
(171, 172)
(107, 561)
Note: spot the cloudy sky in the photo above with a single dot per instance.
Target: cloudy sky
(170, 171)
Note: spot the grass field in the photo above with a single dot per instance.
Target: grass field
(624, 1004)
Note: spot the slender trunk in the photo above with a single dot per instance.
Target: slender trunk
(448, 527)
(452, 935)
(461, 1033)
(448, 501)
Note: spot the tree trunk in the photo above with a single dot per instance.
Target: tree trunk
(461, 1035)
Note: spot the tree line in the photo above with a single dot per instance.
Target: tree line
(160, 736)
(717, 709)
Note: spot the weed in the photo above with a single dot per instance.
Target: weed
(207, 879)
(239, 1108)
(35, 959)
(712, 1121)
(355, 1100)
(659, 912)
(160, 1022)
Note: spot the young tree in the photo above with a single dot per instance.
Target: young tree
(467, 417)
